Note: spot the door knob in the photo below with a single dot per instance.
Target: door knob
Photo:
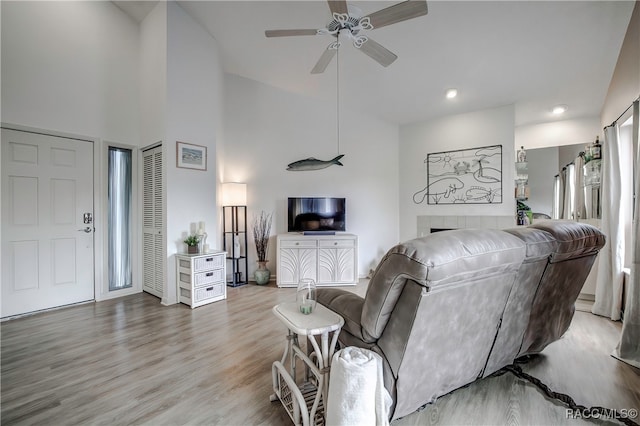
(87, 229)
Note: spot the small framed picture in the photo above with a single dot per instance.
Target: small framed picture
(189, 156)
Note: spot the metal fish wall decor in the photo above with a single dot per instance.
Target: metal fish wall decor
(313, 164)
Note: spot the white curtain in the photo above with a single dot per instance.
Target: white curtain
(565, 194)
(628, 349)
(557, 196)
(568, 192)
(568, 179)
(580, 212)
(608, 301)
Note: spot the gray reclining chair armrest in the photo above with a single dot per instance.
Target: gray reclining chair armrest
(346, 304)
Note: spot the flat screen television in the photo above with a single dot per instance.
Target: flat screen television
(316, 214)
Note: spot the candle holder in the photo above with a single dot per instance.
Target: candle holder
(306, 295)
(202, 238)
(203, 241)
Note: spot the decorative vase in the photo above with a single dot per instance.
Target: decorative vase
(262, 274)
(202, 244)
(306, 295)
(192, 249)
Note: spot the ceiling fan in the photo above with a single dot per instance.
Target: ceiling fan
(348, 23)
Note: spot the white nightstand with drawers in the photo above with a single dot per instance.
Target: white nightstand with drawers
(201, 278)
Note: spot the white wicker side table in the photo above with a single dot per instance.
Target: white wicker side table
(305, 399)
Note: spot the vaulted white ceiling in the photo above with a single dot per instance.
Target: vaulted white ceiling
(531, 54)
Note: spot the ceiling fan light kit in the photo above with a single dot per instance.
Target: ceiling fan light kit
(347, 22)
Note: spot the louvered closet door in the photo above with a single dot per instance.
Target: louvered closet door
(153, 221)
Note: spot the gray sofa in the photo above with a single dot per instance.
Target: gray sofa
(455, 306)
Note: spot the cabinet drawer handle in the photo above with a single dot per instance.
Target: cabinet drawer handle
(335, 243)
(208, 274)
(209, 259)
(209, 288)
(297, 244)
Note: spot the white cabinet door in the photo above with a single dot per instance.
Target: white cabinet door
(336, 260)
(47, 249)
(336, 265)
(295, 264)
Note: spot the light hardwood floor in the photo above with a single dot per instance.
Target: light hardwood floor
(134, 361)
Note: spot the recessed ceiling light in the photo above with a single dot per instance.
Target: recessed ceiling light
(559, 109)
(452, 93)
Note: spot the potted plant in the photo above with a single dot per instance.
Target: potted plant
(192, 244)
(261, 232)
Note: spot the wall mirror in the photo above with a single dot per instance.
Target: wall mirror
(544, 164)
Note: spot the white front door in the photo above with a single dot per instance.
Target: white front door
(47, 248)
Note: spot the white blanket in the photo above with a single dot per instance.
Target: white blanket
(357, 395)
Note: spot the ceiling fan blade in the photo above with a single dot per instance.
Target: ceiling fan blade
(338, 6)
(324, 60)
(379, 53)
(288, 33)
(398, 13)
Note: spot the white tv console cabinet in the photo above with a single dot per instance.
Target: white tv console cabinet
(330, 260)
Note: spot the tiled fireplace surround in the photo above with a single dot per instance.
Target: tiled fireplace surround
(427, 223)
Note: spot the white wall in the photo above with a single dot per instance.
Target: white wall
(558, 133)
(475, 129)
(194, 113)
(624, 87)
(266, 129)
(70, 67)
(153, 75)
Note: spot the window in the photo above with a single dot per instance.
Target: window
(119, 218)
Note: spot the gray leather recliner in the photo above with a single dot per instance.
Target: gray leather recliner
(454, 306)
(431, 311)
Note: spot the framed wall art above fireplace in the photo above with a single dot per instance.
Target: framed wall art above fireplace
(465, 176)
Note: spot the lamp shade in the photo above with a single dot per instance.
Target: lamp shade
(234, 194)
